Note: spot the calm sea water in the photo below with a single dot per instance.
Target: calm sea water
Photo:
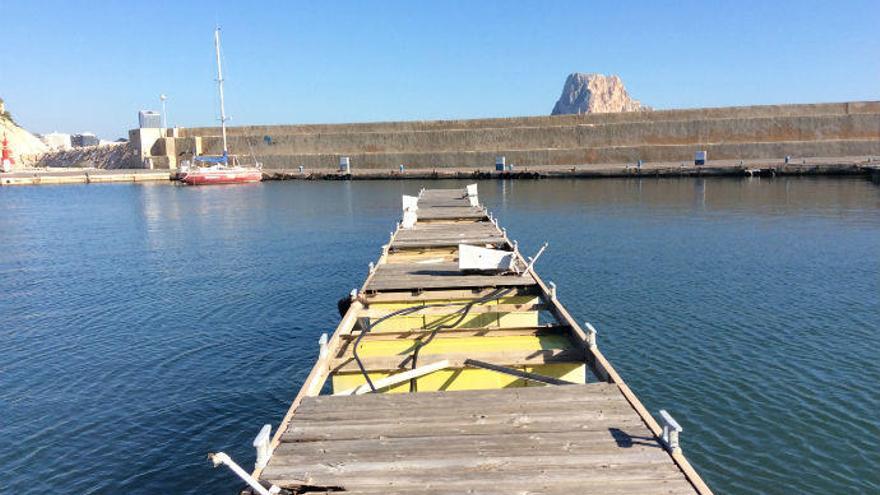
(142, 326)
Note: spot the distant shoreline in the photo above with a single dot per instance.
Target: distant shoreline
(850, 166)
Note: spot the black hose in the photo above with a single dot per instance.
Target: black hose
(497, 294)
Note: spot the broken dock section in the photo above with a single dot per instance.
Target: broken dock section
(455, 369)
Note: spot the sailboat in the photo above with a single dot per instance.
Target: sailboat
(223, 169)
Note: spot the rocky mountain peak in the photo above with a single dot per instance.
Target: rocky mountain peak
(595, 93)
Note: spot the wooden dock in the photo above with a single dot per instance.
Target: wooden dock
(444, 381)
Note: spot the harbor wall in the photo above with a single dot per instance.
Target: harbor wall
(743, 112)
(755, 132)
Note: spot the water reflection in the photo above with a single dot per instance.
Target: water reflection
(761, 196)
(177, 318)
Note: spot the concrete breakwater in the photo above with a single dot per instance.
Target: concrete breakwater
(721, 168)
(733, 133)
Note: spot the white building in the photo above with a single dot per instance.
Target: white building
(57, 140)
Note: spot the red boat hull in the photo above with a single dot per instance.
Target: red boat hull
(222, 177)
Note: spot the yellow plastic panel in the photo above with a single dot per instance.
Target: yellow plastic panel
(467, 379)
(470, 345)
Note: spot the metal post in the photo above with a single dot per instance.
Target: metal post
(552, 290)
(220, 88)
(164, 111)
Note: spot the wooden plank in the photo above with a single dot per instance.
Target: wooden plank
(450, 242)
(538, 398)
(454, 308)
(449, 213)
(447, 228)
(525, 375)
(538, 487)
(450, 231)
(298, 432)
(456, 360)
(402, 276)
(424, 414)
(287, 476)
(559, 443)
(433, 295)
(417, 334)
(396, 379)
(426, 463)
(526, 395)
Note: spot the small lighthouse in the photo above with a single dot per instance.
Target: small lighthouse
(6, 160)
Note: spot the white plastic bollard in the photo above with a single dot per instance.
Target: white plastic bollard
(591, 335)
(671, 429)
(322, 346)
(261, 443)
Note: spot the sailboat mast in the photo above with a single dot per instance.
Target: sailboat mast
(220, 88)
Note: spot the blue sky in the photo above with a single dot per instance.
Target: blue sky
(77, 66)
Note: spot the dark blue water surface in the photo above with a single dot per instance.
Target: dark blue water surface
(142, 326)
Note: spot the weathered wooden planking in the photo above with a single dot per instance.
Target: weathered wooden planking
(538, 487)
(525, 397)
(490, 307)
(444, 203)
(442, 295)
(304, 431)
(467, 413)
(524, 439)
(402, 276)
(535, 409)
(443, 193)
(558, 439)
(435, 235)
(451, 333)
(434, 229)
(559, 443)
(439, 243)
(451, 213)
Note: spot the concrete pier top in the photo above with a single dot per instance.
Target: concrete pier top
(80, 176)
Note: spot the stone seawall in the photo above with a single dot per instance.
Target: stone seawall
(756, 132)
(747, 112)
(620, 154)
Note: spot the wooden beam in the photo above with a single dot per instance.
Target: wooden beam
(489, 307)
(529, 357)
(434, 295)
(396, 379)
(525, 375)
(418, 333)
